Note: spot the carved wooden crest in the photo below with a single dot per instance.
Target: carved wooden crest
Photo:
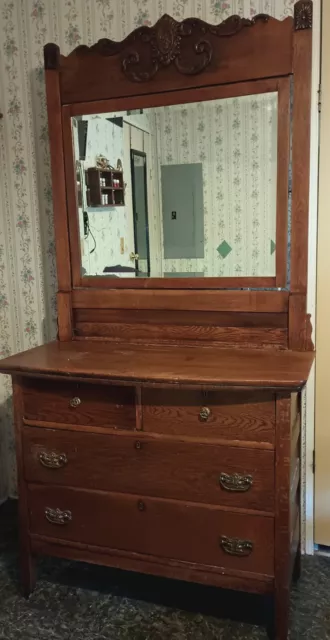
(167, 42)
(303, 15)
(187, 45)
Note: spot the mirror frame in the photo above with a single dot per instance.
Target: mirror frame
(170, 63)
(279, 85)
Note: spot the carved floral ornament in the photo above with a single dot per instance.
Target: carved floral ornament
(185, 44)
(166, 40)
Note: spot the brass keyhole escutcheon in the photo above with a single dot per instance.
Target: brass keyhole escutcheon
(138, 444)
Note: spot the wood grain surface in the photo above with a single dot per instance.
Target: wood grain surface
(283, 515)
(223, 328)
(154, 565)
(188, 300)
(166, 528)
(198, 365)
(245, 415)
(26, 558)
(161, 316)
(138, 465)
(102, 406)
(236, 337)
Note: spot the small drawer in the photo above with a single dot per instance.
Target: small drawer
(239, 415)
(78, 403)
(160, 528)
(194, 472)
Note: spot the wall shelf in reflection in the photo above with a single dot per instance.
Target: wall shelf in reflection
(104, 184)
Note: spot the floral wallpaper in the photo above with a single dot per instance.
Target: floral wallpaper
(27, 257)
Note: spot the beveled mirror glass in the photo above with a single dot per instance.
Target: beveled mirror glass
(186, 190)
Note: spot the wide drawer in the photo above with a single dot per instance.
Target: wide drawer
(239, 415)
(186, 471)
(79, 403)
(163, 528)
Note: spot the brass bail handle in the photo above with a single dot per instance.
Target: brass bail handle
(236, 482)
(235, 546)
(52, 460)
(57, 516)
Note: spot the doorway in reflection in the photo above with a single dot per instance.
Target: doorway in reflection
(140, 213)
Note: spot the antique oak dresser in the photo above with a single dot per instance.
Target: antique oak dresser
(160, 433)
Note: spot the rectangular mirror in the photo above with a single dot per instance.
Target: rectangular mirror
(181, 191)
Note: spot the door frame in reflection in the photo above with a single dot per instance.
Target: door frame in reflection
(143, 155)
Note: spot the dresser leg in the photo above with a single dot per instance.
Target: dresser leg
(281, 614)
(28, 573)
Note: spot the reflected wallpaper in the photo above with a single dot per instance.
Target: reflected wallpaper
(235, 140)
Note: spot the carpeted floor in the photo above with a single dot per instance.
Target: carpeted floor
(82, 602)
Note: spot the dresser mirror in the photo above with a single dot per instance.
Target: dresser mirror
(185, 190)
(188, 190)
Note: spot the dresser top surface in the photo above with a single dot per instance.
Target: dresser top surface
(170, 365)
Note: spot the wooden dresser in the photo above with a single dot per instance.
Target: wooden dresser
(161, 432)
(185, 464)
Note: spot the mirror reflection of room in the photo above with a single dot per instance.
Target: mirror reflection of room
(187, 190)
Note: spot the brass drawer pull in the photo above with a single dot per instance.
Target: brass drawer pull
(52, 460)
(204, 414)
(75, 402)
(138, 444)
(235, 482)
(235, 546)
(56, 516)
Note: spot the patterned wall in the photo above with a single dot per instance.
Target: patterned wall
(235, 140)
(27, 257)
